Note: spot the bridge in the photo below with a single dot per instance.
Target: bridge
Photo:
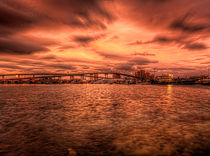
(72, 76)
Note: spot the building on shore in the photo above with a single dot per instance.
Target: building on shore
(165, 79)
(144, 76)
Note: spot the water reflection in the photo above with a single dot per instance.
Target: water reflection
(169, 89)
(169, 94)
(104, 120)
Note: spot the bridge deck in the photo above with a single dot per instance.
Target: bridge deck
(20, 76)
(42, 75)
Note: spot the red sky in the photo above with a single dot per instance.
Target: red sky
(172, 36)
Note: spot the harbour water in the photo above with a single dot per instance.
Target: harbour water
(103, 119)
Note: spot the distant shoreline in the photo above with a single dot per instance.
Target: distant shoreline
(161, 84)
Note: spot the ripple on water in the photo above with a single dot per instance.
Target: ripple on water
(104, 120)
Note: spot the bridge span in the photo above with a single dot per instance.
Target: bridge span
(82, 76)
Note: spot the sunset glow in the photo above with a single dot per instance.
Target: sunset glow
(97, 35)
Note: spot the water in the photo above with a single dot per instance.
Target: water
(104, 120)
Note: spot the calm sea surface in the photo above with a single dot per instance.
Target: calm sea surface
(104, 120)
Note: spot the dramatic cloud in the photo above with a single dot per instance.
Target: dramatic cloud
(196, 46)
(20, 15)
(141, 61)
(124, 67)
(85, 40)
(181, 41)
(136, 43)
(116, 56)
(12, 46)
(176, 69)
(90, 35)
(161, 40)
(112, 56)
(187, 15)
(82, 13)
(15, 16)
(49, 57)
(185, 26)
(61, 66)
(166, 40)
(10, 66)
(65, 47)
(143, 54)
(134, 62)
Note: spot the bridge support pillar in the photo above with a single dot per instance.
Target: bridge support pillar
(59, 79)
(83, 77)
(106, 76)
(91, 76)
(95, 77)
(71, 77)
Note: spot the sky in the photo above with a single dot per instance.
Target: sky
(168, 36)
